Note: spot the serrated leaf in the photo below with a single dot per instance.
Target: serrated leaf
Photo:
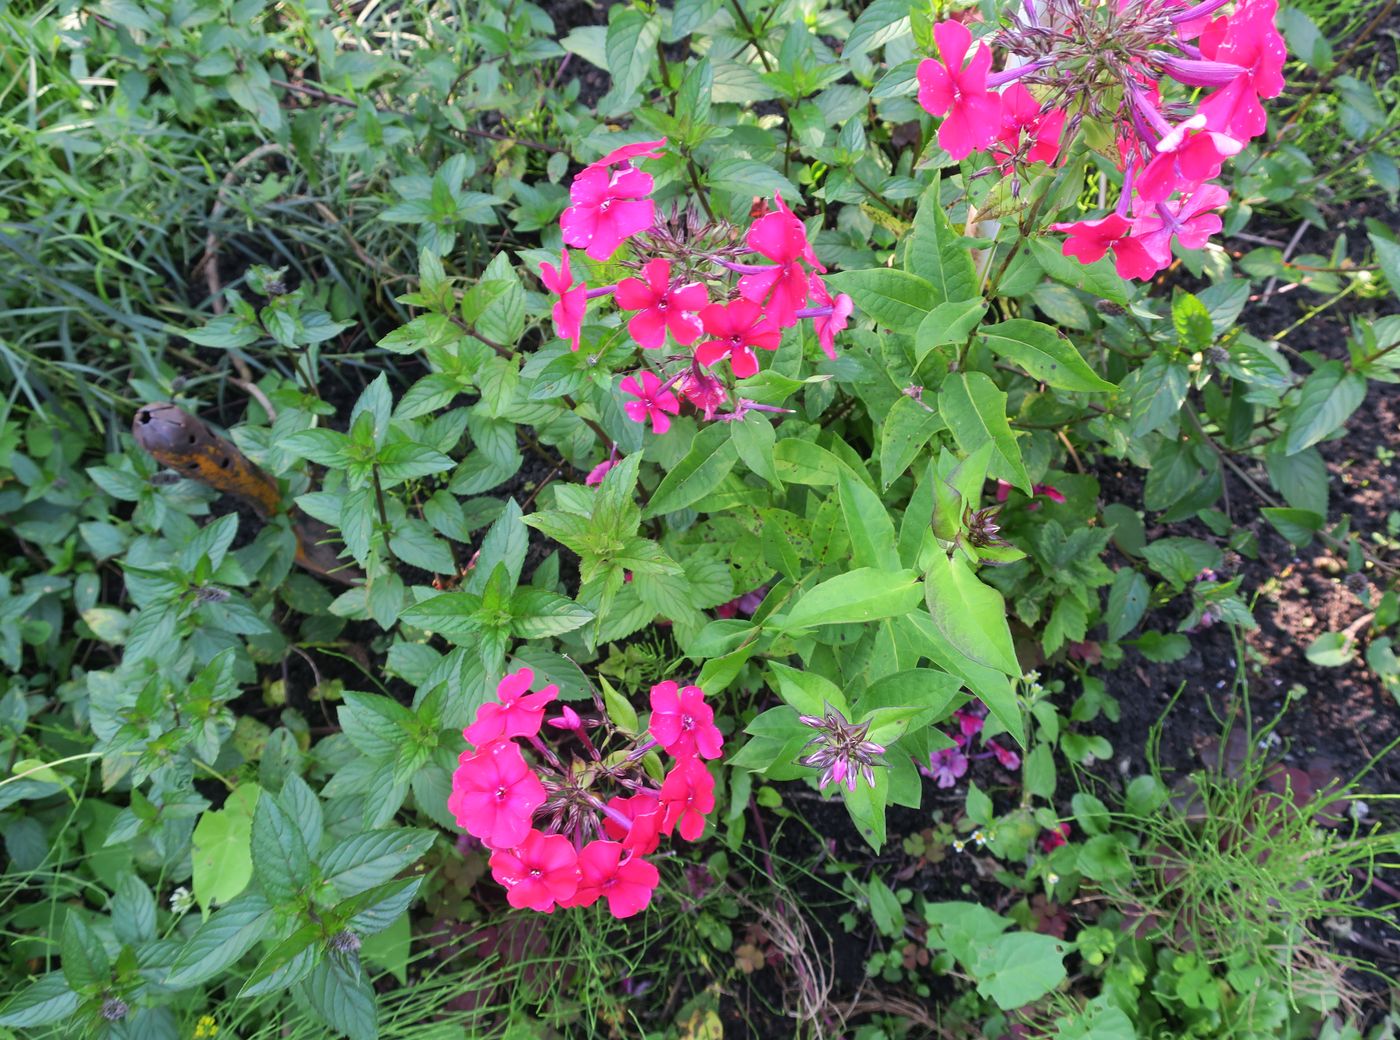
(221, 940)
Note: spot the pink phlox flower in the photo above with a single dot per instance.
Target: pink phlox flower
(652, 402)
(660, 306)
(519, 712)
(969, 722)
(495, 793)
(682, 723)
(567, 719)
(628, 152)
(973, 113)
(568, 312)
(781, 237)
(1186, 158)
(1088, 241)
(1021, 114)
(607, 870)
(1054, 838)
(609, 205)
(1044, 491)
(1248, 38)
(945, 766)
(540, 871)
(644, 817)
(1008, 759)
(687, 794)
(598, 472)
(1148, 250)
(703, 391)
(745, 604)
(736, 329)
(827, 326)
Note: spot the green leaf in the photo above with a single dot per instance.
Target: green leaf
(371, 858)
(802, 462)
(870, 526)
(85, 962)
(287, 962)
(1157, 394)
(753, 440)
(1301, 478)
(220, 941)
(904, 433)
(949, 322)
(897, 300)
(620, 710)
(1044, 353)
(969, 614)
(937, 253)
(1331, 650)
(748, 177)
(343, 999)
(133, 911)
(539, 613)
(1388, 257)
(880, 22)
(860, 595)
(1127, 602)
(866, 804)
(975, 410)
(1019, 969)
(280, 860)
(631, 52)
(1325, 401)
(711, 456)
(807, 692)
(47, 1000)
(1297, 525)
(1099, 279)
(222, 855)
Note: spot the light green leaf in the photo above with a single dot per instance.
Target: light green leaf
(904, 433)
(222, 855)
(1044, 353)
(971, 615)
(1020, 968)
(870, 526)
(860, 595)
(897, 300)
(937, 253)
(1326, 400)
(949, 322)
(975, 410)
(711, 456)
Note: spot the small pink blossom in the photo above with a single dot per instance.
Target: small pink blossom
(682, 723)
(568, 312)
(495, 794)
(782, 288)
(661, 307)
(598, 472)
(652, 402)
(835, 316)
(518, 713)
(1021, 114)
(539, 872)
(946, 766)
(609, 206)
(973, 113)
(608, 870)
(1008, 759)
(736, 329)
(1186, 158)
(1054, 838)
(643, 815)
(687, 794)
(703, 391)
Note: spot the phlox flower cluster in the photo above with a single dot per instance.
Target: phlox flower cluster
(568, 824)
(1106, 63)
(721, 294)
(948, 765)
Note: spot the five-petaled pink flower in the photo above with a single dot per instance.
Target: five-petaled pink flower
(495, 794)
(609, 204)
(945, 766)
(682, 723)
(1185, 159)
(702, 390)
(736, 327)
(538, 872)
(652, 402)
(635, 821)
(661, 306)
(973, 113)
(519, 712)
(608, 870)
(568, 312)
(780, 237)
(687, 794)
(1021, 114)
(1248, 39)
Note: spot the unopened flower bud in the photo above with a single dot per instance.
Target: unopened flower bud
(114, 1009)
(345, 941)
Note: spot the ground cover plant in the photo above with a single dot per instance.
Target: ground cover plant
(737, 517)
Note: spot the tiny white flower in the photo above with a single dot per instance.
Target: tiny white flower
(1052, 879)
